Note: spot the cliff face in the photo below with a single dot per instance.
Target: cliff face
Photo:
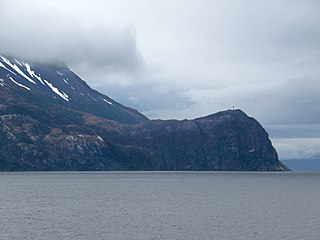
(227, 140)
(50, 119)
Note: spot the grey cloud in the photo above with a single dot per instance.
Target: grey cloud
(259, 31)
(297, 102)
(44, 32)
(147, 97)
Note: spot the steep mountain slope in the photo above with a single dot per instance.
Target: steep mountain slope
(47, 85)
(51, 120)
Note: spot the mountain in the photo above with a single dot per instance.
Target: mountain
(50, 119)
(49, 86)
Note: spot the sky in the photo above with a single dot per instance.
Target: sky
(186, 59)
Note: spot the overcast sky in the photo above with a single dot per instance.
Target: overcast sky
(186, 59)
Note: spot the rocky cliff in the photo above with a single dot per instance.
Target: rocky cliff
(227, 140)
(54, 121)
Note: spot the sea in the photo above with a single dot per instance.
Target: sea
(160, 205)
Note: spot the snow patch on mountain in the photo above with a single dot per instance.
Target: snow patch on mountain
(32, 73)
(17, 69)
(18, 62)
(57, 91)
(3, 66)
(19, 84)
(107, 101)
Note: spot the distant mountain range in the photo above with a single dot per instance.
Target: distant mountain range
(311, 164)
(50, 119)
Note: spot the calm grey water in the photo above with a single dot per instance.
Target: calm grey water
(153, 205)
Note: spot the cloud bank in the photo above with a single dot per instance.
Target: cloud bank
(55, 31)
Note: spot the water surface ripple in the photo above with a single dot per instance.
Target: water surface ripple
(159, 205)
